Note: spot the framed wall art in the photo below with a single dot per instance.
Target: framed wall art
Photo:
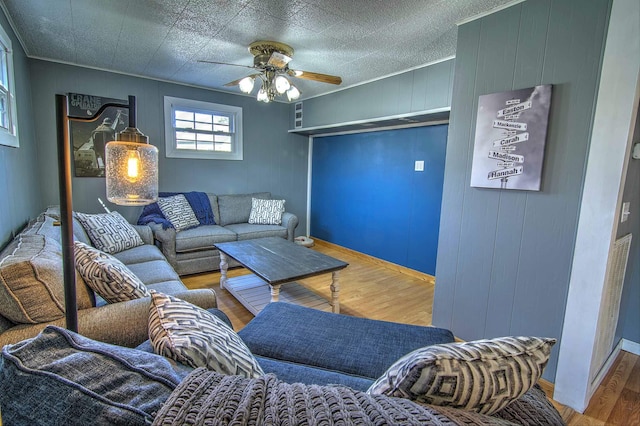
(511, 131)
(88, 139)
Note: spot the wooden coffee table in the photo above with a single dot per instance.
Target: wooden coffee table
(275, 261)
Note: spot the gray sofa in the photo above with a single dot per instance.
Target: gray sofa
(123, 323)
(193, 250)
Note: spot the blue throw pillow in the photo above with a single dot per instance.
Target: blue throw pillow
(62, 378)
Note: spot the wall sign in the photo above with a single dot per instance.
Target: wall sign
(511, 129)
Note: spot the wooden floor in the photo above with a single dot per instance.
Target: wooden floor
(371, 288)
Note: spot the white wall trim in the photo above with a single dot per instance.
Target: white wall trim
(597, 223)
(309, 167)
(631, 347)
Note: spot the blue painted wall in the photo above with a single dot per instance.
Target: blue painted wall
(365, 194)
(20, 198)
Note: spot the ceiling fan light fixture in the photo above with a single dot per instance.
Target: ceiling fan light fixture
(293, 93)
(282, 84)
(246, 84)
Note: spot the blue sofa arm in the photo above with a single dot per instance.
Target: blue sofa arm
(290, 221)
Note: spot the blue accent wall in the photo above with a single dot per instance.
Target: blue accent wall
(365, 194)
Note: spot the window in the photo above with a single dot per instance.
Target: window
(195, 129)
(8, 116)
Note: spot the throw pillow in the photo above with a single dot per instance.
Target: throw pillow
(109, 232)
(266, 212)
(62, 378)
(483, 376)
(195, 337)
(106, 275)
(178, 211)
(31, 281)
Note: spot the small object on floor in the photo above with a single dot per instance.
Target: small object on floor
(304, 241)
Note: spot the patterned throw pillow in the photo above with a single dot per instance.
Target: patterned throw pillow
(178, 211)
(107, 276)
(266, 212)
(195, 337)
(109, 232)
(483, 376)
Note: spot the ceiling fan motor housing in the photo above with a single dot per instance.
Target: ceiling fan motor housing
(262, 50)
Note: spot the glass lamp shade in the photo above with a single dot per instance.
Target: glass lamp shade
(131, 170)
(282, 84)
(262, 95)
(246, 84)
(293, 93)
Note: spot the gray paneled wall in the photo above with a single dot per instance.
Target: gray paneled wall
(273, 161)
(422, 89)
(504, 257)
(20, 198)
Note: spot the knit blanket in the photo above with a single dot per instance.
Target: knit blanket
(199, 202)
(209, 398)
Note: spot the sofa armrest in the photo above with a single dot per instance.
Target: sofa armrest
(145, 233)
(290, 221)
(123, 323)
(167, 240)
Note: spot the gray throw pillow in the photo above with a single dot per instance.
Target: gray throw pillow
(483, 376)
(110, 232)
(266, 212)
(178, 211)
(197, 338)
(107, 276)
(63, 378)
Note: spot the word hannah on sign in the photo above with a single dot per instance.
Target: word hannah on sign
(505, 173)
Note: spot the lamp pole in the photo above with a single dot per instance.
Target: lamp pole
(66, 197)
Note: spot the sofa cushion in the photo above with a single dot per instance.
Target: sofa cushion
(140, 254)
(110, 232)
(483, 376)
(107, 276)
(178, 211)
(154, 271)
(195, 337)
(335, 342)
(236, 208)
(204, 236)
(247, 231)
(62, 378)
(31, 281)
(266, 212)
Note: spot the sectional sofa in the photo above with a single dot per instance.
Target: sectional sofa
(193, 250)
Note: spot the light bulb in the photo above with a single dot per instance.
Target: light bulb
(246, 84)
(282, 84)
(293, 93)
(133, 165)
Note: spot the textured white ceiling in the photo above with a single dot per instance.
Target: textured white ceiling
(359, 40)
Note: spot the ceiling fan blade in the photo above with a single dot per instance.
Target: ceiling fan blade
(323, 78)
(235, 82)
(224, 63)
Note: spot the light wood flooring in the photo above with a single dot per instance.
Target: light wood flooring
(372, 288)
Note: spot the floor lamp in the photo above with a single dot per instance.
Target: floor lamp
(131, 170)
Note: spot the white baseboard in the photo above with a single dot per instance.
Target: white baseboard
(632, 347)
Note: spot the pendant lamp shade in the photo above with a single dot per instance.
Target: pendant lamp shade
(131, 169)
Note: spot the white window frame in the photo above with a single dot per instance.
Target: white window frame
(172, 151)
(9, 136)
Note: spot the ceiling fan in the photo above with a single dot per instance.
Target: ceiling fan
(271, 59)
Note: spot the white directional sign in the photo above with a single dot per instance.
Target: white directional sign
(515, 108)
(513, 139)
(505, 173)
(504, 124)
(496, 155)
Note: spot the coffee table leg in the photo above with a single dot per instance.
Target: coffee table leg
(275, 292)
(224, 265)
(335, 292)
